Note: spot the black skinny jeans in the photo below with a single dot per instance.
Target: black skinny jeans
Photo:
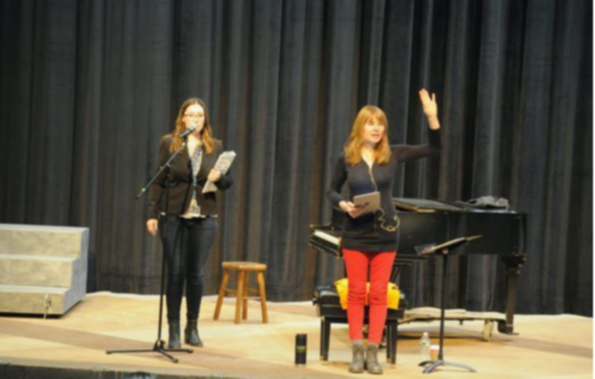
(189, 245)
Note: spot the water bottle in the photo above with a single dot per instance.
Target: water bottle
(424, 347)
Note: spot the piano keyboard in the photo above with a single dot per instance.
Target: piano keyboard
(327, 237)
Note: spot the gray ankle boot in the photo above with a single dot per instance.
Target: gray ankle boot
(357, 362)
(372, 364)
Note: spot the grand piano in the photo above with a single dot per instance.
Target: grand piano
(431, 221)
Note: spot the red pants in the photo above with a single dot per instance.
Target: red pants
(357, 264)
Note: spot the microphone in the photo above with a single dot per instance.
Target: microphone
(187, 132)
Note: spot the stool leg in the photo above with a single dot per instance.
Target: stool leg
(239, 295)
(389, 345)
(245, 302)
(263, 298)
(322, 339)
(394, 342)
(221, 294)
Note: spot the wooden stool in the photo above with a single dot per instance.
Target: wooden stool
(242, 292)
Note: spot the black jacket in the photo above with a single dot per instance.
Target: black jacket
(180, 185)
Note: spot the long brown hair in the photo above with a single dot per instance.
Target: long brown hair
(355, 142)
(206, 133)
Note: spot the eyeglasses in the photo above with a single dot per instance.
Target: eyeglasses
(194, 115)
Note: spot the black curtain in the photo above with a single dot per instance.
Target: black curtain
(87, 87)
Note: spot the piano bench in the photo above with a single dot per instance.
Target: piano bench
(330, 311)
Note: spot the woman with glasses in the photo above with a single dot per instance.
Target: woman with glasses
(191, 215)
(370, 237)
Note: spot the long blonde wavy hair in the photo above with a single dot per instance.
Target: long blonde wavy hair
(355, 142)
(206, 133)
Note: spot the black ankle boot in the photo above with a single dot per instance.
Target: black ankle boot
(191, 334)
(174, 335)
(372, 364)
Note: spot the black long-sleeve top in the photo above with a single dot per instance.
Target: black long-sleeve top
(180, 186)
(375, 231)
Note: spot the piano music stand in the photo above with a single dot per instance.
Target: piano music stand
(443, 250)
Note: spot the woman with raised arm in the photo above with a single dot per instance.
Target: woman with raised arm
(370, 238)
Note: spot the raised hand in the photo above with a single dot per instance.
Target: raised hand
(430, 108)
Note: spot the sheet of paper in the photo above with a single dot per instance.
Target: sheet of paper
(223, 164)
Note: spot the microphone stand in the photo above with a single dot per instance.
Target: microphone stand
(159, 346)
(443, 250)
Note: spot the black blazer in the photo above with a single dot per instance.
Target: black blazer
(180, 182)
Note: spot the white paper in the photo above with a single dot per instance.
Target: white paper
(223, 164)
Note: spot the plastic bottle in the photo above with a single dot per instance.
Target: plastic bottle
(424, 347)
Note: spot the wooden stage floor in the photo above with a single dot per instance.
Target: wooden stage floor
(546, 347)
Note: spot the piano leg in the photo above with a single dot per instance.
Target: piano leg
(513, 269)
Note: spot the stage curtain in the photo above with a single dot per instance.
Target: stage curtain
(87, 87)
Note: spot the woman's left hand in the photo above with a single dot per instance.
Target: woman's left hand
(214, 176)
(429, 103)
